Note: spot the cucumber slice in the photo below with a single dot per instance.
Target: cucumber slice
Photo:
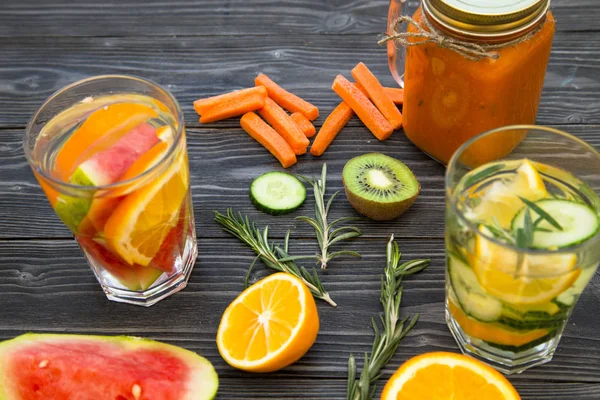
(548, 316)
(567, 298)
(579, 222)
(277, 193)
(472, 298)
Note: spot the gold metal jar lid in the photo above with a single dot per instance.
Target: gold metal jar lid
(488, 18)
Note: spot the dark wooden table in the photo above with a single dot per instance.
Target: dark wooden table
(202, 48)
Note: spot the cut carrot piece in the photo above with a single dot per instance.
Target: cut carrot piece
(396, 95)
(377, 94)
(260, 131)
(233, 107)
(287, 100)
(362, 106)
(203, 105)
(334, 123)
(304, 124)
(284, 125)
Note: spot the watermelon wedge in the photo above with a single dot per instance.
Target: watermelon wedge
(104, 168)
(67, 367)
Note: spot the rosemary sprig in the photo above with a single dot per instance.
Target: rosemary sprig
(326, 234)
(393, 328)
(522, 237)
(273, 256)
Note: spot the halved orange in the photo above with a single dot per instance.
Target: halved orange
(138, 226)
(447, 376)
(269, 326)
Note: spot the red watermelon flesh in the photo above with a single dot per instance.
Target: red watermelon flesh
(74, 367)
(108, 166)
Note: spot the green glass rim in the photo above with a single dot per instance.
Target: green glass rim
(59, 184)
(454, 160)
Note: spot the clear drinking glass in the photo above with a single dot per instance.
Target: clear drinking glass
(512, 276)
(110, 154)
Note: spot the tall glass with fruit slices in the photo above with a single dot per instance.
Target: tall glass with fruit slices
(522, 243)
(110, 154)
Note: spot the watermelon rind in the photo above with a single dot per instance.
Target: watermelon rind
(202, 384)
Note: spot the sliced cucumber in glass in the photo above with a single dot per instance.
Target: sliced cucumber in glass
(471, 297)
(578, 221)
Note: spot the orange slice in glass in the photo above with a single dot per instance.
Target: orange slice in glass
(102, 207)
(269, 326)
(99, 132)
(138, 226)
(494, 333)
(447, 376)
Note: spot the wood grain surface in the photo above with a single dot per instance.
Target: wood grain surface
(224, 18)
(201, 48)
(192, 67)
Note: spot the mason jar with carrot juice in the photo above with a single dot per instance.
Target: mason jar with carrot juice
(470, 66)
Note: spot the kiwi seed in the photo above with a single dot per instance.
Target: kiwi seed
(378, 186)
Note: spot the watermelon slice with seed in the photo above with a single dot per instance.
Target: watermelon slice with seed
(67, 367)
(104, 168)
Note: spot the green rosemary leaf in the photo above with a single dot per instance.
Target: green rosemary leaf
(330, 201)
(351, 377)
(343, 236)
(344, 253)
(325, 234)
(543, 214)
(471, 180)
(521, 238)
(271, 255)
(393, 329)
(247, 277)
(528, 228)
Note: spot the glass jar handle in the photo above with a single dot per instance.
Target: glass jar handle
(397, 54)
(393, 53)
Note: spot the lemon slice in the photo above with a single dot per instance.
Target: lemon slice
(501, 199)
(529, 279)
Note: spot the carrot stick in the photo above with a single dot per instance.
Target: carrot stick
(334, 123)
(260, 131)
(287, 100)
(284, 125)
(233, 107)
(377, 94)
(396, 95)
(203, 105)
(360, 104)
(304, 124)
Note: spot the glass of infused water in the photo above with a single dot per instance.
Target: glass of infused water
(522, 242)
(110, 154)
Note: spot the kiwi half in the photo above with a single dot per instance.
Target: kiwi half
(378, 186)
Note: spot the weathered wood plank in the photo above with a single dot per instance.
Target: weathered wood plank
(193, 67)
(237, 17)
(266, 387)
(45, 286)
(224, 162)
